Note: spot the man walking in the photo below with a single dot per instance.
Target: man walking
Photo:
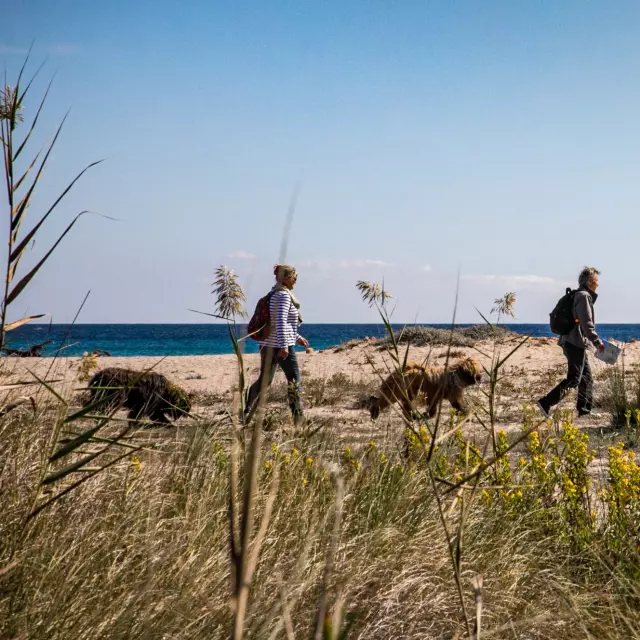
(575, 345)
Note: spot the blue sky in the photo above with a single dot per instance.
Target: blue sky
(497, 138)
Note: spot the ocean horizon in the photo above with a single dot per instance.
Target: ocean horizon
(213, 339)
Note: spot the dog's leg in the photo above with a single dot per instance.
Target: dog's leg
(406, 446)
(456, 398)
(434, 403)
(461, 407)
(410, 391)
(135, 413)
(374, 407)
(159, 417)
(88, 398)
(407, 409)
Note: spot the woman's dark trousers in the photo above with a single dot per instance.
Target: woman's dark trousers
(270, 360)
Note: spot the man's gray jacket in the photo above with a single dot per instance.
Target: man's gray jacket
(583, 334)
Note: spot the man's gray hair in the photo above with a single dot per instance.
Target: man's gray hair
(586, 274)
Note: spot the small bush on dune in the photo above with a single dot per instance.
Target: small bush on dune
(620, 393)
(420, 336)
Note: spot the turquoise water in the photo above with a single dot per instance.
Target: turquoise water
(210, 339)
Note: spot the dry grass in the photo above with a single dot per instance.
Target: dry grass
(142, 551)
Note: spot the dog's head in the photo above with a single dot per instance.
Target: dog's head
(180, 401)
(468, 372)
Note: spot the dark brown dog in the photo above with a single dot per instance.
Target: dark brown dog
(144, 393)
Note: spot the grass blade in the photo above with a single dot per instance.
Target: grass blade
(71, 487)
(49, 388)
(74, 466)
(89, 409)
(16, 216)
(17, 290)
(17, 185)
(241, 373)
(17, 385)
(520, 344)
(18, 96)
(120, 442)
(76, 442)
(33, 231)
(33, 125)
(19, 323)
(484, 318)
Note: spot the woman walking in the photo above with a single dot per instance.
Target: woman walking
(278, 349)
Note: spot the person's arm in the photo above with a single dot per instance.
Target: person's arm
(585, 317)
(303, 342)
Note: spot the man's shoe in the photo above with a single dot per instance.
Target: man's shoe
(544, 410)
(588, 414)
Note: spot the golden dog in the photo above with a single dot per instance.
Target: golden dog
(405, 386)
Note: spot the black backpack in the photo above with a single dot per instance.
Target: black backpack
(562, 318)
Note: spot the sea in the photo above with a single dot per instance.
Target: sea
(213, 339)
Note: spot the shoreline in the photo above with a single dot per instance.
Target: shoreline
(132, 341)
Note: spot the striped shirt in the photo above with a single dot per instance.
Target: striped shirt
(284, 321)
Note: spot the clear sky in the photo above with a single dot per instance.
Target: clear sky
(501, 138)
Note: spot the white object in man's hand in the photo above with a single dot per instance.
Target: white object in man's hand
(610, 353)
(302, 342)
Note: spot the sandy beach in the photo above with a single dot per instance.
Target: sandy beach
(336, 381)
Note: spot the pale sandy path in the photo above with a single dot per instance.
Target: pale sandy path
(532, 371)
(218, 374)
